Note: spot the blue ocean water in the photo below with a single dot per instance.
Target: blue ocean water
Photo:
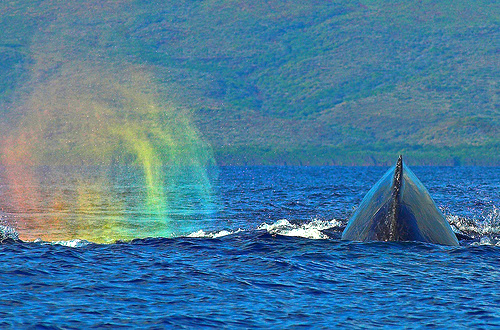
(268, 255)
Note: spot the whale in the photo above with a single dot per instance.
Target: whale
(399, 208)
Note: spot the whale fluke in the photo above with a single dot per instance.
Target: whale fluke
(399, 208)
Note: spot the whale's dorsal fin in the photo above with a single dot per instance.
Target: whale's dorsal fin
(399, 208)
(397, 183)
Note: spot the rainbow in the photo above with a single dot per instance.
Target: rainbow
(101, 153)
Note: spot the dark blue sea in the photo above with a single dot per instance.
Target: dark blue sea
(257, 247)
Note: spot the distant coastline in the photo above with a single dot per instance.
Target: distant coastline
(330, 156)
(301, 83)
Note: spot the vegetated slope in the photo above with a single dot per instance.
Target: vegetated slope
(320, 82)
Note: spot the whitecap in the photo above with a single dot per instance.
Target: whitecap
(461, 224)
(486, 240)
(73, 243)
(7, 232)
(311, 230)
(487, 224)
(202, 234)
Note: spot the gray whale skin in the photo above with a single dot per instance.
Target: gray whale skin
(399, 208)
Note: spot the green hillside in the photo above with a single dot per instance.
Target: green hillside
(284, 82)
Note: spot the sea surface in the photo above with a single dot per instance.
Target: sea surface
(254, 247)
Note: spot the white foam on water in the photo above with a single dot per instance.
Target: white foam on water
(73, 243)
(491, 223)
(491, 241)
(7, 232)
(311, 230)
(462, 224)
(487, 224)
(202, 234)
(485, 241)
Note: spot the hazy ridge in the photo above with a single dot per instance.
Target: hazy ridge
(287, 82)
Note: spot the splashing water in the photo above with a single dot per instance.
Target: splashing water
(485, 223)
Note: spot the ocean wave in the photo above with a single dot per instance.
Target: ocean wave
(475, 232)
(485, 231)
(202, 234)
(8, 233)
(312, 230)
(486, 240)
(486, 225)
(74, 243)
